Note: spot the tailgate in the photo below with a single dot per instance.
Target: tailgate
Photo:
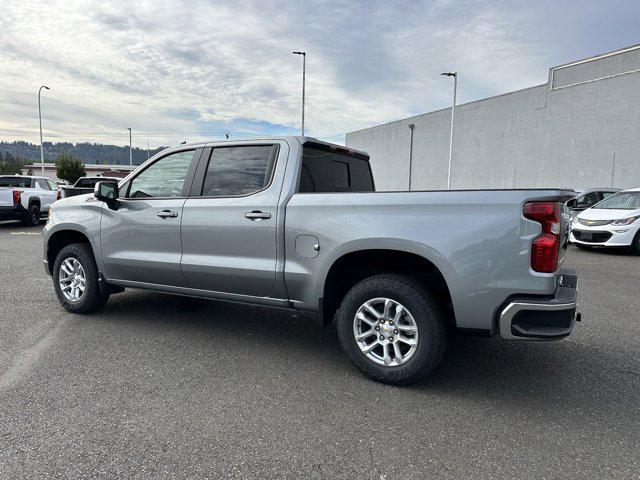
(6, 197)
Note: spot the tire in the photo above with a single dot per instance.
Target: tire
(424, 311)
(92, 298)
(32, 218)
(635, 247)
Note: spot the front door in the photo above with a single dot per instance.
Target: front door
(141, 238)
(229, 222)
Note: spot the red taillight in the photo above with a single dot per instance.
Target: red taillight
(545, 248)
(58, 194)
(17, 197)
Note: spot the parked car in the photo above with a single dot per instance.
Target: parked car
(26, 198)
(296, 223)
(613, 222)
(84, 185)
(588, 198)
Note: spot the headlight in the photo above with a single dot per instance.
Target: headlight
(624, 221)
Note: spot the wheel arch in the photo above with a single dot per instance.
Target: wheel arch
(60, 239)
(355, 265)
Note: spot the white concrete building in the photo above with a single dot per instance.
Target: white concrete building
(92, 170)
(580, 129)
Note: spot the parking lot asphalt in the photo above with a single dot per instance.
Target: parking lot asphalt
(158, 386)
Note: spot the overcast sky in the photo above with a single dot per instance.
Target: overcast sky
(191, 70)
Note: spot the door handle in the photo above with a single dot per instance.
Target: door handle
(257, 215)
(167, 214)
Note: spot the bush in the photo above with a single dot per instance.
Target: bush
(69, 168)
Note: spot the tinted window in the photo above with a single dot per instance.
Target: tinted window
(165, 178)
(15, 182)
(87, 182)
(588, 199)
(238, 170)
(329, 171)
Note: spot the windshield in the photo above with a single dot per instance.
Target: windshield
(15, 182)
(620, 201)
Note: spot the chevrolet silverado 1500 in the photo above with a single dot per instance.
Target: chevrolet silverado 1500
(295, 222)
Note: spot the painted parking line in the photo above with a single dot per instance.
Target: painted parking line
(26, 233)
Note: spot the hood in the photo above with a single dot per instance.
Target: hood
(607, 214)
(76, 200)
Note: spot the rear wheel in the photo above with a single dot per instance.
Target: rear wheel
(392, 329)
(76, 281)
(32, 218)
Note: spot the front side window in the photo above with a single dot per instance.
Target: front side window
(164, 179)
(238, 170)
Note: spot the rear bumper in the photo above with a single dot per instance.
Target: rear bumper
(16, 212)
(531, 318)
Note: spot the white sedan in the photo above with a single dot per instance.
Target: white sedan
(613, 222)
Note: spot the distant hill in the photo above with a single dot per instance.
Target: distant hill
(89, 153)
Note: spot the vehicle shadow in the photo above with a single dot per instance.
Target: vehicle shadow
(552, 379)
(17, 225)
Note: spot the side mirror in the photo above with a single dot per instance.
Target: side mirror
(107, 192)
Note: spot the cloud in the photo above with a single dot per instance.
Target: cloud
(195, 69)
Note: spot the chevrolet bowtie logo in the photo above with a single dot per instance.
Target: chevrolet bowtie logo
(590, 222)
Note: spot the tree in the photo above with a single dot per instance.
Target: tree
(10, 165)
(69, 168)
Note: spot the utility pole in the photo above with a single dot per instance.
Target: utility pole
(40, 118)
(411, 127)
(130, 150)
(453, 111)
(304, 67)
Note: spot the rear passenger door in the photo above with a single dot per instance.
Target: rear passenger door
(229, 221)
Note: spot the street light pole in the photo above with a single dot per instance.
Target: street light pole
(453, 111)
(130, 152)
(411, 127)
(40, 118)
(304, 67)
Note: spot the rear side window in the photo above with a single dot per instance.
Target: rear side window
(52, 185)
(238, 170)
(329, 171)
(19, 182)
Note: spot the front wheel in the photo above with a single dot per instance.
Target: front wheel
(75, 279)
(392, 329)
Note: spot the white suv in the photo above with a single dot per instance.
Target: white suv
(26, 198)
(613, 222)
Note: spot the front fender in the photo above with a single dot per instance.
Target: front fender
(75, 216)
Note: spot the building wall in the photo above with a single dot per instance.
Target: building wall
(119, 171)
(580, 130)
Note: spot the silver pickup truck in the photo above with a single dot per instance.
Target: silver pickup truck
(296, 223)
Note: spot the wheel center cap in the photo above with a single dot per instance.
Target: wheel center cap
(386, 329)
